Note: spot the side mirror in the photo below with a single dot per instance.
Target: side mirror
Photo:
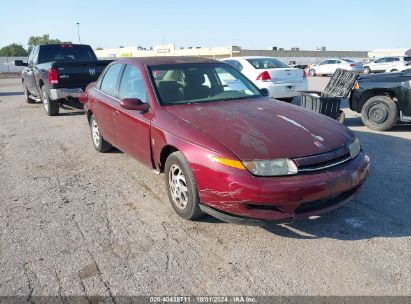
(265, 92)
(20, 63)
(134, 104)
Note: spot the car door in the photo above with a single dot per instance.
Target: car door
(381, 64)
(28, 74)
(133, 127)
(323, 67)
(105, 101)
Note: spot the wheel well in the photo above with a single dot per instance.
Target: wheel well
(165, 152)
(371, 93)
(89, 113)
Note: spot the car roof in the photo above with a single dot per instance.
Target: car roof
(158, 60)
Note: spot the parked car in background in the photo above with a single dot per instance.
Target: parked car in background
(399, 68)
(382, 64)
(58, 72)
(281, 80)
(225, 149)
(329, 66)
(383, 99)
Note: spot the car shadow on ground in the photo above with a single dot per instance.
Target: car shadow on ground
(382, 209)
(71, 107)
(2, 94)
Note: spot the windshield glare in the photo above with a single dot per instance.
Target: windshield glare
(199, 83)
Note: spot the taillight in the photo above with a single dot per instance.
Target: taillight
(304, 74)
(53, 76)
(264, 76)
(352, 65)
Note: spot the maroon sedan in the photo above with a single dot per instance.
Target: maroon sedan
(225, 148)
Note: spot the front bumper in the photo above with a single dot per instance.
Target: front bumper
(65, 93)
(284, 90)
(280, 198)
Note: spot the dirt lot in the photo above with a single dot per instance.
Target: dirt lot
(76, 222)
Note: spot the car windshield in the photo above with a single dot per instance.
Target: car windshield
(200, 83)
(65, 52)
(267, 63)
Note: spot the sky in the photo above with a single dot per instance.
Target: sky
(339, 25)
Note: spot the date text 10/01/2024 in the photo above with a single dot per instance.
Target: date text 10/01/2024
(202, 299)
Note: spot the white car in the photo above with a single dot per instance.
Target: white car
(398, 68)
(384, 63)
(329, 66)
(281, 80)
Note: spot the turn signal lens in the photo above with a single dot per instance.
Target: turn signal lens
(228, 162)
(356, 86)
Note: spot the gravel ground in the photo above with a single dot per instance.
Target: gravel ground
(76, 222)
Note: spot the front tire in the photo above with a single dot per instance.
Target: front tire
(379, 113)
(311, 72)
(181, 187)
(52, 107)
(99, 143)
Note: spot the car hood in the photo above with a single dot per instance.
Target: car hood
(264, 128)
(379, 76)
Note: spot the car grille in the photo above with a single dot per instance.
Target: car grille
(321, 204)
(322, 161)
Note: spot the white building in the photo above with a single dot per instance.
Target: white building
(389, 52)
(168, 50)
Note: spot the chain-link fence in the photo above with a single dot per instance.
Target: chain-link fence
(7, 64)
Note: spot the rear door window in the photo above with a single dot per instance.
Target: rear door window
(235, 64)
(110, 80)
(267, 63)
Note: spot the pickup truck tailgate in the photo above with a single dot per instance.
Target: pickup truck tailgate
(78, 74)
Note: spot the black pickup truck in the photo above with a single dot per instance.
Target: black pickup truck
(383, 99)
(58, 72)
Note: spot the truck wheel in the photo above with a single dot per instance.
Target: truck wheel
(367, 70)
(379, 113)
(27, 96)
(99, 143)
(52, 107)
(181, 187)
(311, 72)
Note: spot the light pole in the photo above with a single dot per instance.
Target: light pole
(78, 31)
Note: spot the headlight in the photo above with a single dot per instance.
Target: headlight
(355, 148)
(275, 167)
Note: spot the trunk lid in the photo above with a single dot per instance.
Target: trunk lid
(285, 75)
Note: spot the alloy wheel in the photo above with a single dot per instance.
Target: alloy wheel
(178, 187)
(95, 133)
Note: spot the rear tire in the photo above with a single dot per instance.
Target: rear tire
(379, 113)
(367, 70)
(182, 187)
(99, 143)
(52, 107)
(311, 72)
(27, 95)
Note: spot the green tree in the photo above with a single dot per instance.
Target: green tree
(99, 49)
(13, 50)
(45, 39)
